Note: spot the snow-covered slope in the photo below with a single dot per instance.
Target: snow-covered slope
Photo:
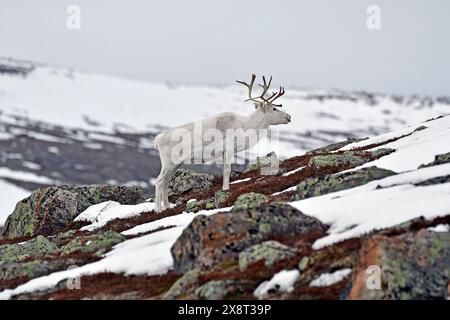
(414, 191)
(65, 126)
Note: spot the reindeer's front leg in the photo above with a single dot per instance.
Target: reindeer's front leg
(226, 171)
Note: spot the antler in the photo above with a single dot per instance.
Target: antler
(275, 96)
(265, 86)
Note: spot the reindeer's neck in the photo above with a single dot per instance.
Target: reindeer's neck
(256, 120)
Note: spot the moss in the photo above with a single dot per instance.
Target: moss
(437, 246)
(269, 251)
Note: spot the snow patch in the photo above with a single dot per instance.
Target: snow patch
(328, 279)
(281, 281)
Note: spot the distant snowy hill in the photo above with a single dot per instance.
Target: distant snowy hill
(61, 126)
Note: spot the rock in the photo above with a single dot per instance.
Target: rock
(335, 160)
(270, 251)
(97, 243)
(185, 180)
(378, 153)
(334, 146)
(179, 288)
(268, 164)
(213, 290)
(303, 264)
(439, 159)
(47, 211)
(29, 269)
(249, 200)
(36, 247)
(317, 186)
(209, 240)
(208, 204)
(412, 266)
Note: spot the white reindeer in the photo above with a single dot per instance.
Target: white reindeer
(166, 142)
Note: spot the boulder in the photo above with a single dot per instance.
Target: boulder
(209, 240)
(29, 269)
(412, 266)
(335, 160)
(97, 243)
(317, 186)
(269, 251)
(334, 146)
(268, 164)
(439, 159)
(186, 180)
(49, 210)
(249, 200)
(213, 290)
(36, 247)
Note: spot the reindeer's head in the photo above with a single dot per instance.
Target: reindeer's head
(265, 104)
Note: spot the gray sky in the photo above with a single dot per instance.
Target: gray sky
(315, 43)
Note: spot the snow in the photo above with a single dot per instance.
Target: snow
(293, 171)
(418, 148)
(281, 281)
(328, 279)
(293, 188)
(8, 192)
(241, 180)
(440, 228)
(357, 211)
(149, 254)
(24, 176)
(100, 214)
(183, 219)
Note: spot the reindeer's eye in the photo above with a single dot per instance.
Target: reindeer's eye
(274, 109)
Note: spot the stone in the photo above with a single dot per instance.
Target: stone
(269, 251)
(210, 240)
(413, 266)
(36, 247)
(438, 159)
(186, 180)
(49, 210)
(335, 160)
(213, 290)
(97, 243)
(29, 269)
(318, 186)
(249, 200)
(268, 164)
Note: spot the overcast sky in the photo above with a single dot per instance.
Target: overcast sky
(315, 43)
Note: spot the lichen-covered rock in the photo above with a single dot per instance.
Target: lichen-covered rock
(185, 180)
(208, 204)
(36, 247)
(181, 286)
(317, 186)
(47, 211)
(249, 200)
(97, 243)
(335, 160)
(439, 159)
(412, 266)
(268, 164)
(213, 290)
(378, 153)
(334, 146)
(209, 240)
(30, 269)
(269, 251)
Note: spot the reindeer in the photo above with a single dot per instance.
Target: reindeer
(265, 115)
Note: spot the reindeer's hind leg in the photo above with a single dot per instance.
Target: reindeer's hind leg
(168, 176)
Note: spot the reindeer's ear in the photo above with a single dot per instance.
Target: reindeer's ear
(257, 105)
